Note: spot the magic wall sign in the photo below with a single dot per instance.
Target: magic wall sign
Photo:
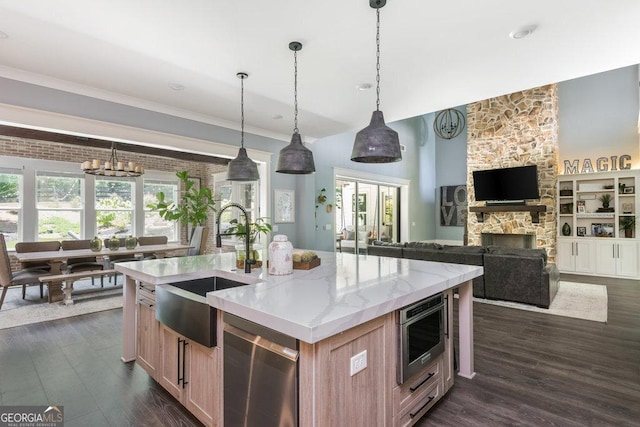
(453, 205)
(602, 164)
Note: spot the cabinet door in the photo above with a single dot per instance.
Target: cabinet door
(147, 346)
(565, 257)
(171, 351)
(606, 258)
(627, 260)
(585, 254)
(200, 397)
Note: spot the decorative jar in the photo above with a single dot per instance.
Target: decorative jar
(130, 242)
(566, 229)
(280, 256)
(114, 243)
(95, 244)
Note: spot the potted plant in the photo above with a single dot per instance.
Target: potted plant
(628, 224)
(256, 227)
(605, 199)
(192, 209)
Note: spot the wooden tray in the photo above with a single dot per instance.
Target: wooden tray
(306, 265)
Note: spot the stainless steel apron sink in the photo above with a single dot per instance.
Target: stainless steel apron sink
(182, 306)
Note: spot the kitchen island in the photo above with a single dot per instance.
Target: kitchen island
(347, 303)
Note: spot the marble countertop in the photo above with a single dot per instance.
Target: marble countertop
(346, 290)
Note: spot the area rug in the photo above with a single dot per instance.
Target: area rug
(577, 300)
(17, 312)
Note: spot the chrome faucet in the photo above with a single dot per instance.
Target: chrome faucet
(247, 260)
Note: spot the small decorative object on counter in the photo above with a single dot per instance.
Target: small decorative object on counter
(305, 260)
(566, 229)
(95, 244)
(280, 256)
(114, 243)
(130, 242)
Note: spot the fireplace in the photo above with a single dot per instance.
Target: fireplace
(526, 241)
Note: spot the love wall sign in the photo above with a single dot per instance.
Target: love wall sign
(453, 205)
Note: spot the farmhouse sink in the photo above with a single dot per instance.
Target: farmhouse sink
(182, 306)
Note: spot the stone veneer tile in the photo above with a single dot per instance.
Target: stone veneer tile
(516, 130)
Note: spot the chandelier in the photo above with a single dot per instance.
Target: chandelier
(449, 123)
(112, 167)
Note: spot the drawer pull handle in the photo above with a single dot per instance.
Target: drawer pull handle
(413, 414)
(145, 303)
(415, 387)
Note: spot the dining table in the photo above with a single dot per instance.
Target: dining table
(56, 260)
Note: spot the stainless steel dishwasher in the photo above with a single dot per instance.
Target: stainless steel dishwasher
(260, 375)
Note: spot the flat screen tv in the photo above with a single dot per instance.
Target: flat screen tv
(506, 184)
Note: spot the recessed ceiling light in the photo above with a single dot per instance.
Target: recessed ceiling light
(364, 86)
(276, 116)
(3, 35)
(176, 86)
(523, 32)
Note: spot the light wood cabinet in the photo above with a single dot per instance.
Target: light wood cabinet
(147, 330)
(330, 396)
(591, 239)
(189, 371)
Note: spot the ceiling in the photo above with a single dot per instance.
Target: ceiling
(434, 54)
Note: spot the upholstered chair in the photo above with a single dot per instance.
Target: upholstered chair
(75, 265)
(22, 247)
(10, 278)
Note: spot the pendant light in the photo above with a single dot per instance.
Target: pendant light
(242, 168)
(295, 158)
(377, 143)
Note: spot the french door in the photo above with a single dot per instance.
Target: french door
(365, 212)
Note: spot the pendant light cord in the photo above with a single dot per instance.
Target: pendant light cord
(378, 60)
(242, 112)
(295, 91)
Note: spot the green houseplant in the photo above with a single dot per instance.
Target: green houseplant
(256, 227)
(628, 224)
(605, 199)
(193, 207)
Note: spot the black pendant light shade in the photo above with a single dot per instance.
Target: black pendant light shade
(242, 168)
(295, 158)
(377, 143)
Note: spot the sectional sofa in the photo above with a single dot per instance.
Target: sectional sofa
(510, 274)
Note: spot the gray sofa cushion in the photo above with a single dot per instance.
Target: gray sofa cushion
(528, 253)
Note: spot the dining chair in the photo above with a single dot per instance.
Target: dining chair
(75, 265)
(10, 278)
(113, 257)
(151, 240)
(198, 241)
(22, 247)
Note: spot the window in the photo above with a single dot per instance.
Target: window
(59, 206)
(243, 193)
(114, 207)
(10, 206)
(154, 225)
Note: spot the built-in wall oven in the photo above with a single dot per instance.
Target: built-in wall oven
(421, 335)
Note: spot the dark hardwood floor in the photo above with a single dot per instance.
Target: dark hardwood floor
(532, 369)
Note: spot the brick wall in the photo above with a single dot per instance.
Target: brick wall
(19, 147)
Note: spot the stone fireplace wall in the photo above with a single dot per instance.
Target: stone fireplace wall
(516, 130)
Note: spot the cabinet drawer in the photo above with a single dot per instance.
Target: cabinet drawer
(423, 401)
(405, 394)
(148, 292)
